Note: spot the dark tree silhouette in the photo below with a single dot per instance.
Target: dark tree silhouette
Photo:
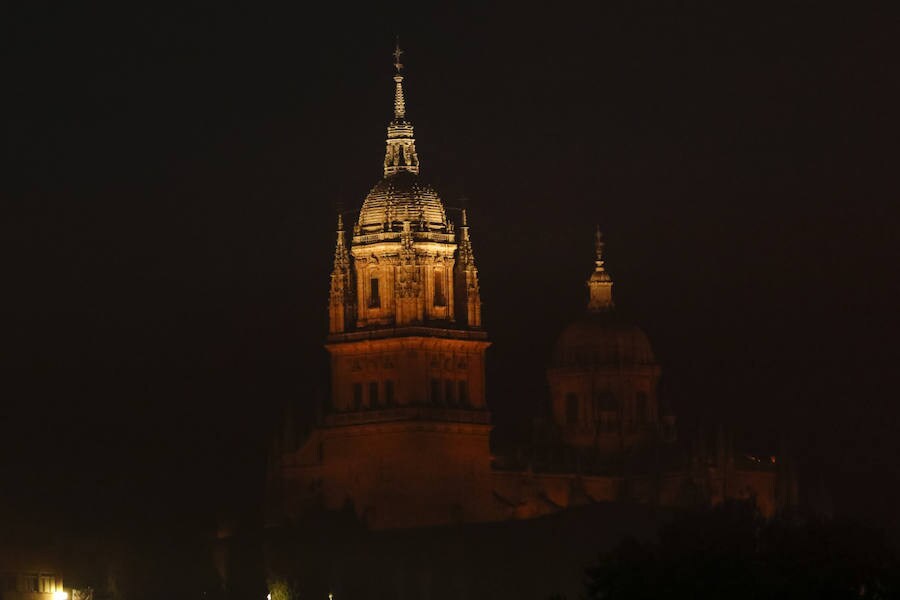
(732, 552)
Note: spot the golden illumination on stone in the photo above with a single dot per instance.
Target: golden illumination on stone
(405, 438)
(407, 265)
(401, 145)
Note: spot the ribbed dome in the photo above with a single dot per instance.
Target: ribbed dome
(602, 339)
(402, 197)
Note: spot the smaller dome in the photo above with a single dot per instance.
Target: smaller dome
(402, 197)
(602, 339)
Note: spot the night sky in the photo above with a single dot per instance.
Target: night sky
(171, 179)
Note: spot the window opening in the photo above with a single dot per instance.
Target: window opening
(357, 396)
(440, 299)
(374, 295)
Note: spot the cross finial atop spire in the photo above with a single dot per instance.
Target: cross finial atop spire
(397, 52)
(399, 102)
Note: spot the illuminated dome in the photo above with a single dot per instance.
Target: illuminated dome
(602, 339)
(402, 197)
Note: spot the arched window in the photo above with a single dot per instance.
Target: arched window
(374, 295)
(440, 298)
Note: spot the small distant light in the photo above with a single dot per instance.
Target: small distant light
(60, 595)
(269, 596)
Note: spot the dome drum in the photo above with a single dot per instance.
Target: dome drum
(394, 234)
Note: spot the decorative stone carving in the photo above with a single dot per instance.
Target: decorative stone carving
(408, 282)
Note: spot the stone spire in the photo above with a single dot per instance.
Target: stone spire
(340, 305)
(468, 291)
(466, 255)
(600, 284)
(341, 258)
(401, 145)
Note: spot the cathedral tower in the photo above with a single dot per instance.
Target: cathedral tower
(604, 376)
(406, 436)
